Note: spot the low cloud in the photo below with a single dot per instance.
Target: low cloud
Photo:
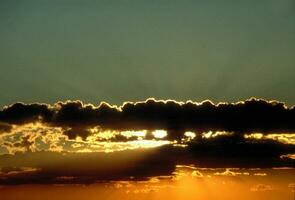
(83, 167)
(139, 164)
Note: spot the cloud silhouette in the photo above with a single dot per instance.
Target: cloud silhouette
(83, 168)
(252, 115)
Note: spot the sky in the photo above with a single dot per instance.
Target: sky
(126, 50)
(147, 99)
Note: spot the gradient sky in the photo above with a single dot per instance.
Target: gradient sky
(130, 50)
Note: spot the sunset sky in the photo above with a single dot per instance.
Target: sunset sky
(146, 99)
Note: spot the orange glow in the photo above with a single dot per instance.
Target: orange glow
(189, 183)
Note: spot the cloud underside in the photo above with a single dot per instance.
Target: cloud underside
(23, 125)
(140, 164)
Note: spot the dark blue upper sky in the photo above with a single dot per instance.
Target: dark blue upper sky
(122, 50)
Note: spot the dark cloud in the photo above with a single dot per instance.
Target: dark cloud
(236, 151)
(253, 115)
(141, 164)
(20, 113)
(84, 167)
(73, 132)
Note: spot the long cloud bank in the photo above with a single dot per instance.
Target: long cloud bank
(138, 164)
(252, 115)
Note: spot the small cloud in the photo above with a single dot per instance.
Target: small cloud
(229, 172)
(198, 174)
(14, 171)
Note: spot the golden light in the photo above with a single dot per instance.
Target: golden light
(254, 136)
(211, 134)
(190, 134)
(146, 143)
(159, 133)
(286, 138)
(100, 135)
(130, 133)
(208, 134)
(95, 129)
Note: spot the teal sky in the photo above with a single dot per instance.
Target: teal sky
(129, 50)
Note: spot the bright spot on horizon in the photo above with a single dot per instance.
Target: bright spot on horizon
(208, 134)
(131, 133)
(159, 133)
(190, 134)
(254, 136)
